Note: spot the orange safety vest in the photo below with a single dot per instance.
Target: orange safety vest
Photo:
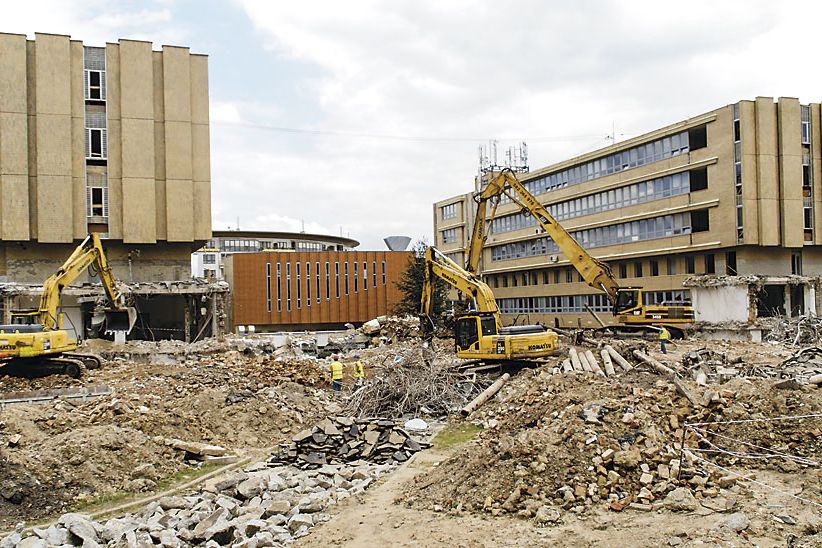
(359, 372)
(336, 371)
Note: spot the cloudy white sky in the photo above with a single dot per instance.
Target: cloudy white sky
(354, 117)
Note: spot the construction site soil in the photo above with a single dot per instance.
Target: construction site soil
(56, 454)
(559, 458)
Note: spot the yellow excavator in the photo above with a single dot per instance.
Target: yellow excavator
(478, 333)
(36, 336)
(629, 308)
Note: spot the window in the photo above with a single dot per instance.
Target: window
(638, 269)
(268, 286)
(97, 202)
(308, 284)
(365, 276)
(699, 179)
(730, 263)
(514, 281)
(654, 268)
(317, 274)
(383, 273)
(328, 282)
(279, 288)
(556, 276)
(345, 269)
(374, 273)
(699, 220)
(496, 282)
(356, 277)
(710, 264)
(96, 143)
(806, 124)
(671, 266)
(299, 287)
(504, 280)
(448, 212)
(288, 287)
(337, 279)
(623, 270)
(737, 131)
(449, 236)
(796, 263)
(698, 137)
(210, 258)
(545, 277)
(569, 275)
(95, 85)
(524, 280)
(690, 267)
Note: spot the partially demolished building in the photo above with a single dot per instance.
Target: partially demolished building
(734, 191)
(113, 140)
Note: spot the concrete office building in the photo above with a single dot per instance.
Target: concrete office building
(733, 191)
(113, 140)
(110, 139)
(209, 261)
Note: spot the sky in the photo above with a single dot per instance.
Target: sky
(352, 118)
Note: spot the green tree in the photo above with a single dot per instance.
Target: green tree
(410, 284)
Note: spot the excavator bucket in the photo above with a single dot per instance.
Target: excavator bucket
(120, 319)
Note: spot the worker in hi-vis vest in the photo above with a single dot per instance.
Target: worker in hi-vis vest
(336, 369)
(359, 371)
(664, 335)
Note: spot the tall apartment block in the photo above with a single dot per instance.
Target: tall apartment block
(110, 139)
(733, 191)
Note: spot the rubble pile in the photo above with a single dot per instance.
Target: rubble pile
(792, 330)
(345, 439)
(556, 443)
(53, 453)
(254, 507)
(415, 383)
(391, 329)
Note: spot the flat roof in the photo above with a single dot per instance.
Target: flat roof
(254, 234)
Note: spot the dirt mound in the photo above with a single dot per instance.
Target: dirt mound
(572, 441)
(52, 453)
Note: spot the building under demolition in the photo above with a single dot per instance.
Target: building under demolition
(113, 140)
(734, 191)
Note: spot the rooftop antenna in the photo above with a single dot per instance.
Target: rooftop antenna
(515, 159)
(303, 230)
(238, 223)
(613, 135)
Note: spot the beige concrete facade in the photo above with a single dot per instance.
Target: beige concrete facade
(110, 139)
(741, 184)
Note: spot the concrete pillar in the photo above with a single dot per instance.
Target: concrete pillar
(187, 318)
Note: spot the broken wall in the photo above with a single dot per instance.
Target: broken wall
(721, 303)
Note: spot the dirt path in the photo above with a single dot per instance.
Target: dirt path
(373, 519)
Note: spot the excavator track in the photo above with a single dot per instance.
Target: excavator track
(44, 366)
(90, 361)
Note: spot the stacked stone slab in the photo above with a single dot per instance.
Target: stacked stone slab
(346, 439)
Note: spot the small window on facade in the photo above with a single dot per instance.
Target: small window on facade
(569, 275)
(796, 263)
(730, 263)
(496, 282)
(623, 270)
(654, 268)
(737, 131)
(556, 276)
(698, 137)
(638, 269)
(504, 280)
(514, 281)
(699, 220)
(710, 264)
(545, 277)
(671, 266)
(690, 266)
(699, 179)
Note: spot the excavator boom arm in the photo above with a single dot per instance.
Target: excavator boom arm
(89, 252)
(595, 273)
(439, 266)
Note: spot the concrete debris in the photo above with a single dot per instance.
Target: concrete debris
(285, 504)
(345, 439)
(391, 329)
(793, 330)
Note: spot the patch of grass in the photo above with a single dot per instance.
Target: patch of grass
(102, 501)
(455, 434)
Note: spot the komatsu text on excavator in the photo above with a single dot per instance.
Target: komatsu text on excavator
(478, 333)
(631, 311)
(36, 336)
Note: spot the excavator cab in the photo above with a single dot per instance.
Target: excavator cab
(469, 330)
(628, 301)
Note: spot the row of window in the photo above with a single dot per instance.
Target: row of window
(449, 236)
(629, 269)
(637, 193)
(246, 245)
(448, 212)
(654, 151)
(634, 231)
(317, 284)
(576, 304)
